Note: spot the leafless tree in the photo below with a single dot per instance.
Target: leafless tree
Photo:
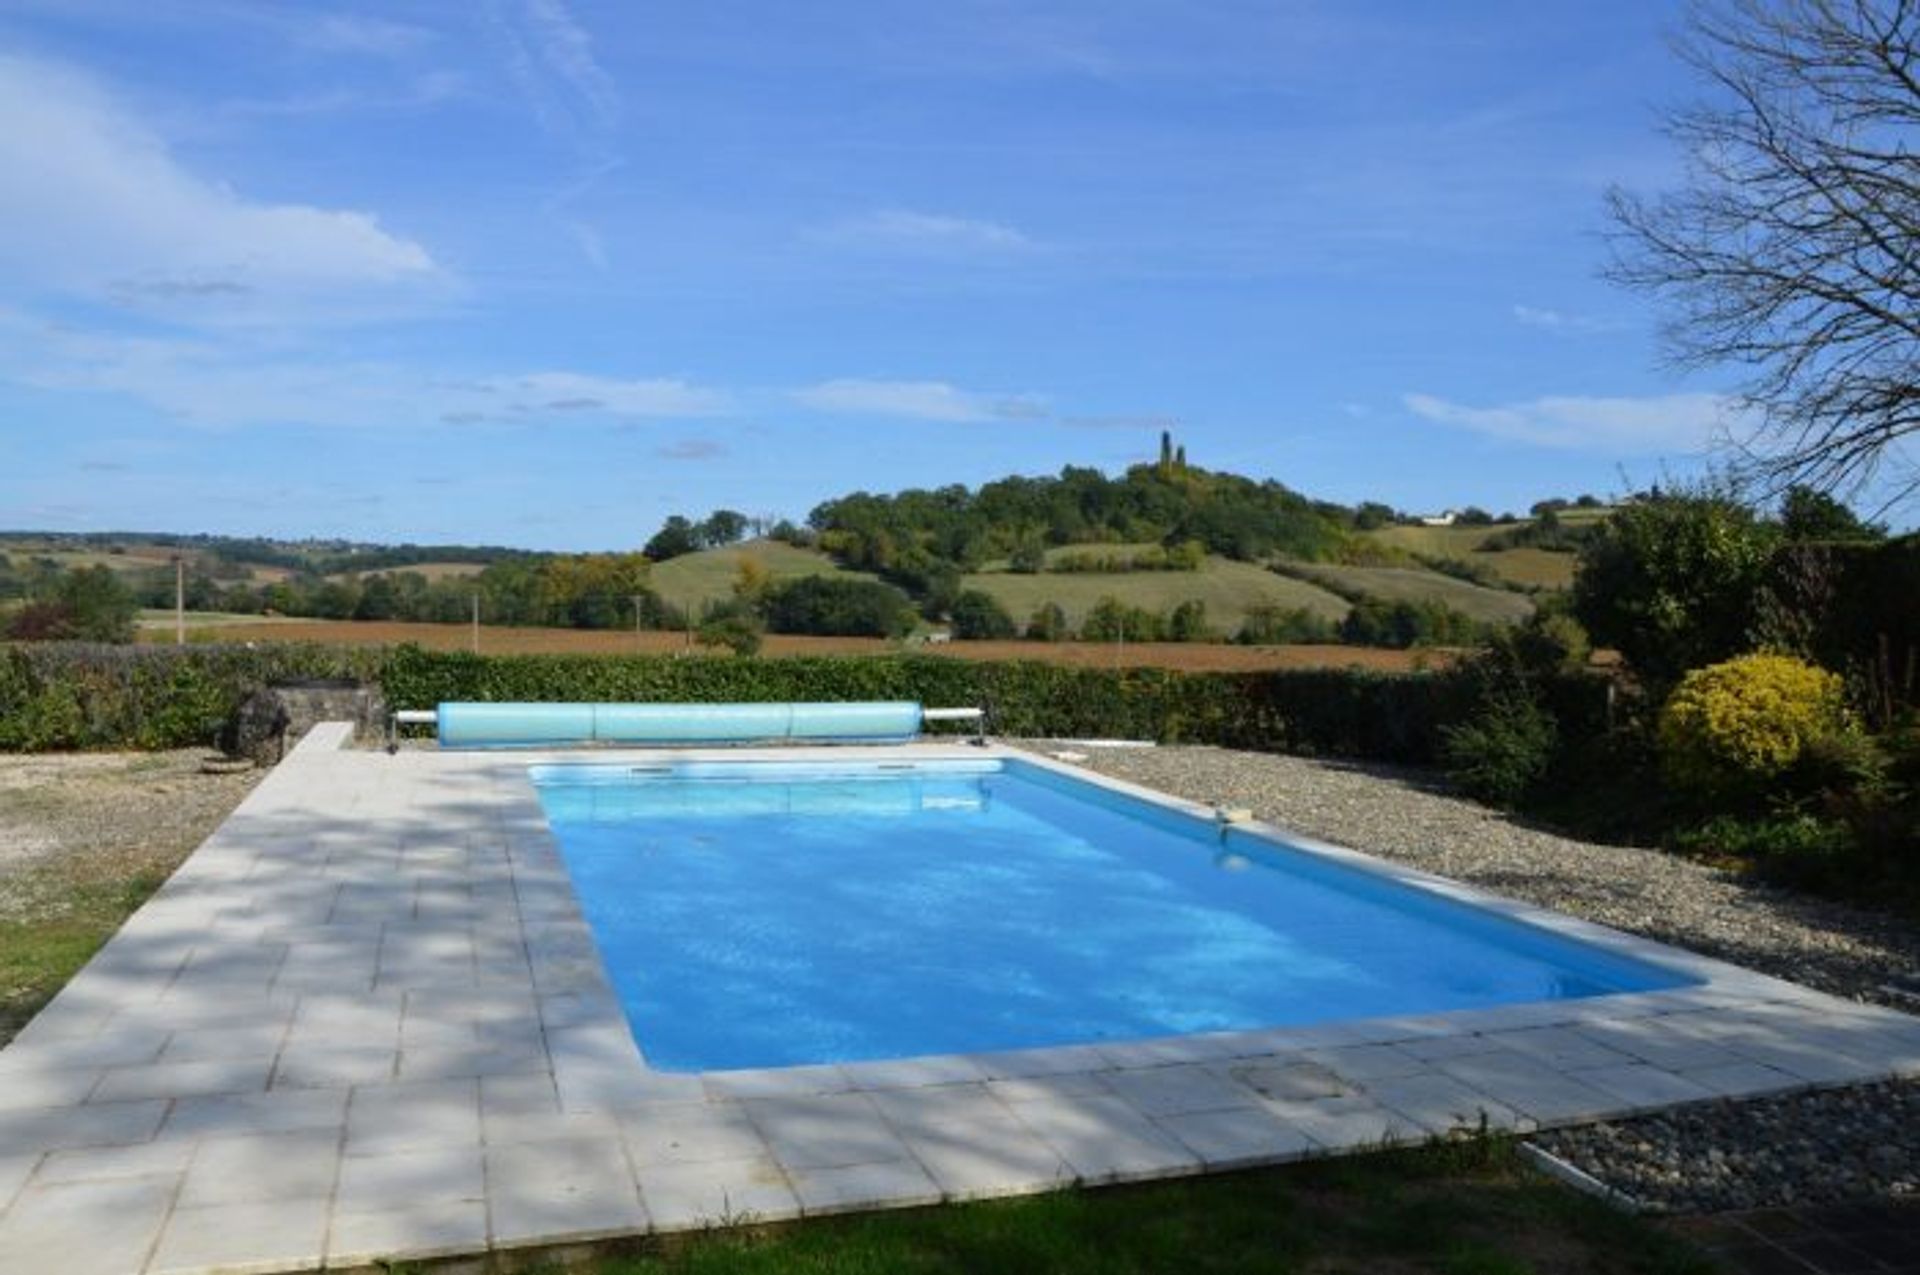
(1792, 249)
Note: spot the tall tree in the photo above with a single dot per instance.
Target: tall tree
(1792, 249)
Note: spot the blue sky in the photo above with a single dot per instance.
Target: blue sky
(541, 272)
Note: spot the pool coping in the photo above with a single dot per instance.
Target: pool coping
(374, 983)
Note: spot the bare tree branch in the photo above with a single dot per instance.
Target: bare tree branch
(1792, 249)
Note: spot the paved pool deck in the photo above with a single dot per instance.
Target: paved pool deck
(366, 1021)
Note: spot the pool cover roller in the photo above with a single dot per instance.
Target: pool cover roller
(475, 725)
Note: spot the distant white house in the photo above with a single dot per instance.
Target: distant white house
(1439, 520)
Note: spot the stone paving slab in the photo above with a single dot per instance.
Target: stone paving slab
(366, 1021)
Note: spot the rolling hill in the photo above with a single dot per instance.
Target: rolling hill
(693, 579)
(1413, 584)
(1530, 568)
(1228, 589)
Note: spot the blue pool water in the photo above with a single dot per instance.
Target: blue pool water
(764, 914)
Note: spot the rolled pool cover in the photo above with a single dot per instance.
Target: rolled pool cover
(474, 725)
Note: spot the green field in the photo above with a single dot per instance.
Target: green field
(694, 579)
(1227, 588)
(1532, 568)
(1411, 584)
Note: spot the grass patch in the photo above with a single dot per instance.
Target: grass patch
(85, 839)
(1465, 1208)
(67, 921)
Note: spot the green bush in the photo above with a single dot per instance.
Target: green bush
(1802, 845)
(1048, 624)
(1503, 751)
(735, 626)
(1672, 581)
(1402, 624)
(835, 607)
(1268, 624)
(978, 615)
(1730, 728)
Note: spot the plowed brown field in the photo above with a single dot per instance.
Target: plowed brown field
(520, 641)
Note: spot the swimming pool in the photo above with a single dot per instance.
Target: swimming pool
(769, 914)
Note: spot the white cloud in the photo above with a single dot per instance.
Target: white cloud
(95, 203)
(1561, 320)
(577, 392)
(692, 449)
(903, 228)
(918, 400)
(1619, 426)
(234, 385)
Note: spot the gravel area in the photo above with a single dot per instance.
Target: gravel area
(1833, 1145)
(70, 819)
(1813, 1148)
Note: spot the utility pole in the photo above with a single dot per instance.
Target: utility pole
(476, 624)
(637, 599)
(179, 600)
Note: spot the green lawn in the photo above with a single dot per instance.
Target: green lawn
(1467, 1208)
(42, 949)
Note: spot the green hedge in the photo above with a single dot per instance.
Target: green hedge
(79, 695)
(73, 696)
(1856, 607)
(1351, 713)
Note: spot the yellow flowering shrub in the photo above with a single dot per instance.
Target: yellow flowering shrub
(1747, 720)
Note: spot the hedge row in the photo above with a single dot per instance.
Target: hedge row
(1340, 712)
(84, 696)
(80, 695)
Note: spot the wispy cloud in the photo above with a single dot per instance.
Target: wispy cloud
(1562, 321)
(1669, 423)
(233, 384)
(917, 400)
(577, 392)
(1122, 422)
(550, 59)
(549, 56)
(97, 204)
(592, 245)
(357, 33)
(692, 449)
(427, 89)
(901, 228)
